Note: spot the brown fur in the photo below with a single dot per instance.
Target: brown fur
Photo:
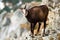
(37, 14)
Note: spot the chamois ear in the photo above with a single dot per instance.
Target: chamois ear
(25, 6)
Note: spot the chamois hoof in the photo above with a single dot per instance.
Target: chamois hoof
(44, 35)
(35, 34)
(32, 36)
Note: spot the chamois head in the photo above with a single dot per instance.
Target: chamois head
(24, 10)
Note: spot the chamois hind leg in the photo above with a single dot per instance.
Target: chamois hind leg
(38, 29)
(32, 28)
(44, 28)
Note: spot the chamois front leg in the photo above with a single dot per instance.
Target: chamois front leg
(32, 28)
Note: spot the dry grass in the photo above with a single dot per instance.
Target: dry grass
(51, 38)
(58, 36)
